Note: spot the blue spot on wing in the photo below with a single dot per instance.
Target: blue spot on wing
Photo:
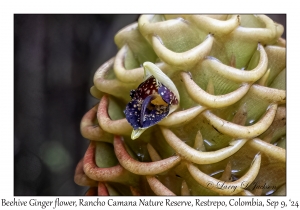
(167, 95)
(132, 114)
(144, 107)
(146, 115)
(164, 92)
(154, 116)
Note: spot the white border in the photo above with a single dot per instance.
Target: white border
(8, 8)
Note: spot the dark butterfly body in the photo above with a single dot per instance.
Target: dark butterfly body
(149, 104)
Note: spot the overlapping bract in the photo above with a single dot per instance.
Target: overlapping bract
(229, 71)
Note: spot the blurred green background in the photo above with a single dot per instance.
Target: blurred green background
(55, 58)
